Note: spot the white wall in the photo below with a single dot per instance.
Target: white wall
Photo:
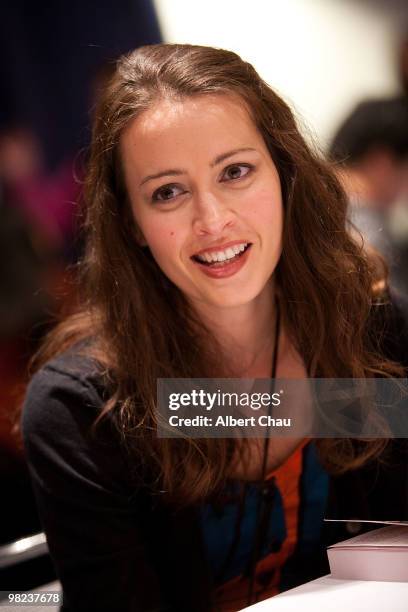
(323, 56)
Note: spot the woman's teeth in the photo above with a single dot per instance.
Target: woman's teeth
(222, 256)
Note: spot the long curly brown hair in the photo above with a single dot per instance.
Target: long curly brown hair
(139, 326)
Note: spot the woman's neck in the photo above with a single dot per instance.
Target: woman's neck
(245, 333)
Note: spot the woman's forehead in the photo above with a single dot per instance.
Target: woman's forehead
(210, 121)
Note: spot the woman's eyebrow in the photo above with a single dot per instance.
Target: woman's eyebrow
(171, 172)
(224, 156)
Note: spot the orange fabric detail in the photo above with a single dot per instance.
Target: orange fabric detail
(232, 595)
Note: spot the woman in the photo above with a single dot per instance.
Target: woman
(216, 246)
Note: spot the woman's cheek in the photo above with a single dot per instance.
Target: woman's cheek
(162, 241)
(265, 207)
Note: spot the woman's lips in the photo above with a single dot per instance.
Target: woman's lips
(224, 269)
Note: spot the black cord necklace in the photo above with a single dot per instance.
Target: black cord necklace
(266, 492)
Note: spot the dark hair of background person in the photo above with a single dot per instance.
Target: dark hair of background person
(403, 64)
(373, 124)
(139, 326)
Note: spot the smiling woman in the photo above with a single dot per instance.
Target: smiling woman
(216, 246)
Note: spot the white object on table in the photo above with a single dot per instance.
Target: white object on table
(333, 595)
(380, 554)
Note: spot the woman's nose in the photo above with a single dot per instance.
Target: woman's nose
(211, 215)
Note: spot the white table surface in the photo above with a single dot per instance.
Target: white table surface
(333, 595)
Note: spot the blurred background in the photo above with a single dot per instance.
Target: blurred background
(341, 64)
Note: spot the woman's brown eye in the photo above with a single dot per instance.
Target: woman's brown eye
(168, 192)
(236, 171)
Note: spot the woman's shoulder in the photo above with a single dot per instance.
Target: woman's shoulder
(62, 403)
(71, 378)
(73, 366)
(63, 400)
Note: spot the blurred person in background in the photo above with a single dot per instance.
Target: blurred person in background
(24, 306)
(370, 149)
(403, 64)
(36, 231)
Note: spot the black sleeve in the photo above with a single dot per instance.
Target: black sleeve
(94, 522)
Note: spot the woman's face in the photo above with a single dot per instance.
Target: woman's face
(206, 196)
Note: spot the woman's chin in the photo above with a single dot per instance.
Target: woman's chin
(229, 298)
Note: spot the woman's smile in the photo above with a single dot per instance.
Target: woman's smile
(224, 261)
